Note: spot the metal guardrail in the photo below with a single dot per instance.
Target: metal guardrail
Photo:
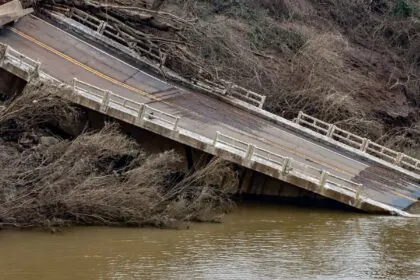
(363, 144)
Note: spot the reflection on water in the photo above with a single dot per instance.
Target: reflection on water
(254, 242)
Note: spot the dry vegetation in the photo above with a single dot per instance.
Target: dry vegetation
(50, 179)
(354, 63)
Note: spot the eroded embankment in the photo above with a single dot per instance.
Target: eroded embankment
(54, 172)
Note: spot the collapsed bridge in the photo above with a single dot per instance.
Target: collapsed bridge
(229, 123)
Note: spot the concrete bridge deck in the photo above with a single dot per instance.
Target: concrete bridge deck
(64, 57)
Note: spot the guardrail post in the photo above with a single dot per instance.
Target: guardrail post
(228, 88)
(249, 152)
(398, 158)
(132, 45)
(74, 83)
(216, 138)
(3, 55)
(331, 130)
(176, 124)
(140, 114)
(101, 27)
(35, 73)
(142, 111)
(262, 101)
(359, 192)
(286, 165)
(105, 101)
(364, 145)
(323, 179)
(299, 117)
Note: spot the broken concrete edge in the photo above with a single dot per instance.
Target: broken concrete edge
(12, 11)
(133, 58)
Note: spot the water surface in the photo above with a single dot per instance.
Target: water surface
(254, 242)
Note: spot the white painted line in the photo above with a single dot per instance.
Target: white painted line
(103, 52)
(229, 127)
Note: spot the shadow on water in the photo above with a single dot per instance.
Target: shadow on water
(316, 202)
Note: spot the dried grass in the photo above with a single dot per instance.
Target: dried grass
(345, 62)
(97, 178)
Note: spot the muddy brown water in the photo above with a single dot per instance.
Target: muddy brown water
(254, 242)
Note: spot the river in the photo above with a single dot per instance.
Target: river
(254, 242)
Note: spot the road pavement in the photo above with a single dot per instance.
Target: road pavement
(64, 57)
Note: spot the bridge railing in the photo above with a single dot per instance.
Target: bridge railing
(88, 89)
(124, 102)
(287, 165)
(268, 156)
(22, 61)
(152, 51)
(363, 144)
(145, 47)
(85, 18)
(248, 151)
(154, 115)
(244, 94)
(109, 99)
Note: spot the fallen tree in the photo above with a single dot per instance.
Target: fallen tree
(50, 179)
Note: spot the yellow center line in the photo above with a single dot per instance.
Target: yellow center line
(84, 66)
(143, 93)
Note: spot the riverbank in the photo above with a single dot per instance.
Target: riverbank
(56, 172)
